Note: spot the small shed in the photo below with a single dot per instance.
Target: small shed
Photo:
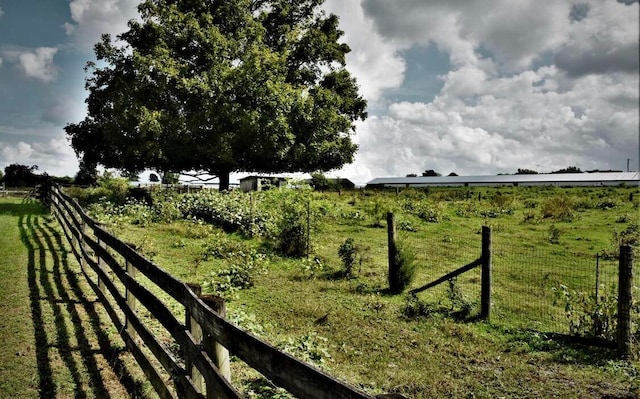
(259, 183)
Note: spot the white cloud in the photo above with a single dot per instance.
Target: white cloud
(373, 60)
(37, 63)
(1, 12)
(54, 157)
(480, 124)
(604, 40)
(0, 61)
(514, 33)
(498, 109)
(92, 18)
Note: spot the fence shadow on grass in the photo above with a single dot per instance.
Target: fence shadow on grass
(65, 322)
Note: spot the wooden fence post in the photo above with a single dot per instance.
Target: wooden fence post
(625, 284)
(393, 264)
(131, 300)
(82, 242)
(485, 294)
(196, 332)
(219, 354)
(100, 263)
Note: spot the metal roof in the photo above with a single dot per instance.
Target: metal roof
(632, 178)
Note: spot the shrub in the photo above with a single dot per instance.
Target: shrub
(243, 267)
(292, 238)
(588, 315)
(559, 207)
(405, 268)
(502, 202)
(430, 212)
(377, 212)
(554, 234)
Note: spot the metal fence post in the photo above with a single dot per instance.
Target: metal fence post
(625, 284)
(485, 294)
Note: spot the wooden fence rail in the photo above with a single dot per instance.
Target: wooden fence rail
(110, 266)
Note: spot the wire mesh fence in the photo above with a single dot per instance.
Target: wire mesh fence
(547, 289)
(440, 254)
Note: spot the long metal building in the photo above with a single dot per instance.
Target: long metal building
(552, 179)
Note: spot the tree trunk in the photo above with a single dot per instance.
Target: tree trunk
(223, 177)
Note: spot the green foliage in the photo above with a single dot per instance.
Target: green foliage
(320, 182)
(554, 234)
(351, 255)
(502, 202)
(559, 207)
(170, 178)
(219, 87)
(16, 175)
(377, 211)
(347, 253)
(457, 300)
(230, 210)
(431, 212)
(243, 267)
(292, 238)
(588, 315)
(522, 300)
(405, 267)
(311, 267)
(311, 348)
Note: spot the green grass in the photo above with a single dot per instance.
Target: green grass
(54, 339)
(521, 353)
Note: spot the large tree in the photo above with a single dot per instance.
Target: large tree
(219, 86)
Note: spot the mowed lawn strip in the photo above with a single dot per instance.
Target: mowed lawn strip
(18, 365)
(55, 341)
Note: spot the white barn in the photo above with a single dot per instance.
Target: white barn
(552, 179)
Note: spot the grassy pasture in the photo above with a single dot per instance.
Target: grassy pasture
(55, 342)
(543, 239)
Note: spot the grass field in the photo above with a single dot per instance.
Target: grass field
(54, 340)
(544, 239)
(351, 326)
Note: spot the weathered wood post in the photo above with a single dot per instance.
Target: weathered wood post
(83, 241)
(196, 332)
(308, 243)
(131, 300)
(485, 300)
(101, 264)
(393, 264)
(625, 284)
(219, 354)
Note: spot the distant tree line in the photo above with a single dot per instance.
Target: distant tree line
(16, 175)
(522, 171)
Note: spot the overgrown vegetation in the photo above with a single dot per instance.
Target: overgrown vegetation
(233, 243)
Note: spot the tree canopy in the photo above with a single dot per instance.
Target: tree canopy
(18, 175)
(219, 86)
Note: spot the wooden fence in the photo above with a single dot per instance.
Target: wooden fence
(205, 338)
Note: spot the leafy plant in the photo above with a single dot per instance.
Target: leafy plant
(292, 237)
(377, 212)
(456, 297)
(559, 207)
(243, 267)
(554, 234)
(311, 348)
(588, 315)
(311, 266)
(405, 268)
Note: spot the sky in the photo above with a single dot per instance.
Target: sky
(456, 86)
